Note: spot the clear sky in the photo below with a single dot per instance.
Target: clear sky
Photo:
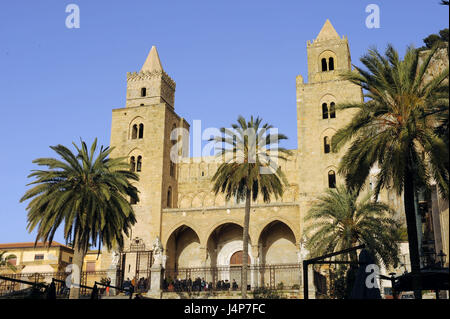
(227, 57)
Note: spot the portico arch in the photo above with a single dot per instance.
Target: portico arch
(183, 248)
(277, 242)
(223, 241)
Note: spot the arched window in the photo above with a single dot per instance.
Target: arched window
(139, 164)
(326, 145)
(132, 164)
(141, 130)
(330, 64)
(134, 132)
(331, 179)
(169, 197)
(324, 111)
(173, 143)
(324, 65)
(143, 92)
(332, 110)
(172, 168)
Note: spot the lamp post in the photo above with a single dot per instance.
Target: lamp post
(394, 293)
(442, 256)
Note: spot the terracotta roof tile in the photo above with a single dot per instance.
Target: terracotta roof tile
(30, 245)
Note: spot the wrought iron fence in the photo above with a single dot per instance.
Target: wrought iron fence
(278, 277)
(36, 283)
(23, 284)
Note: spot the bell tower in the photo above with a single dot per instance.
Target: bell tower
(151, 85)
(141, 132)
(318, 118)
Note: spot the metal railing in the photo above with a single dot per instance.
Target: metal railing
(228, 278)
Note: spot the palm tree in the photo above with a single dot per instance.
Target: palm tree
(394, 128)
(86, 194)
(4, 260)
(338, 220)
(250, 153)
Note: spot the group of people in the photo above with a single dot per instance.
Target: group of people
(134, 285)
(199, 284)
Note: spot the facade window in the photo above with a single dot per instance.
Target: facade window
(133, 201)
(330, 64)
(143, 92)
(132, 164)
(169, 197)
(326, 144)
(324, 111)
(332, 110)
(70, 259)
(139, 164)
(173, 143)
(141, 130)
(331, 179)
(324, 65)
(39, 257)
(134, 132)
(172, 168)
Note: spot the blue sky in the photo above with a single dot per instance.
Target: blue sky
(227, 57)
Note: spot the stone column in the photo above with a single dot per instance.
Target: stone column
(156, 279)
(255, 274)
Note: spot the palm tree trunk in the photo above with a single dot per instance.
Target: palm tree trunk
(410, 212)
(245, 244)
(77, 269)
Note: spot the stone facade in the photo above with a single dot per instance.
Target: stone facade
(198, 228)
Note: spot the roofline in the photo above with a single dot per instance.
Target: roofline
(32, 245)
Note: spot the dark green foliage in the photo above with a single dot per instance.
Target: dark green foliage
(250, 155)
(338, 220)
(87, 195)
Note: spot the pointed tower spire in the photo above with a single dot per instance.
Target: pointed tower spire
(153, 63)
(328, 32)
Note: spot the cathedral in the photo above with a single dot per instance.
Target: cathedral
(197, 228)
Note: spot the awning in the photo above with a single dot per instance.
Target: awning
(30, 269)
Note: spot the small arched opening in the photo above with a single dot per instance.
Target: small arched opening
(139, 164)
(132, 164)
(326, 145)
(169, 197)
(141, 131)
(331, 179)
(324, 65)
(330, 64)
(332, 110)
(324, 111)
(134, 132)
